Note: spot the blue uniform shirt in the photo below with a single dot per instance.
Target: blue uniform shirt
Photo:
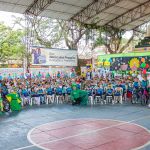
(59, 91)
(100, 91)
(34, 94)
(130, 89)
(25, 93)
(123, 86)
(4, 90)
(50, 91)
(144, 84)
(1, 77)
(69, 90)
(136, 85)
(109, 91)
(89, 92)
(40, 92)
(117, 93)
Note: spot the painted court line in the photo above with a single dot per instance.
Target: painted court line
(93, 131)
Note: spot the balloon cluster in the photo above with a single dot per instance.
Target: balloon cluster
(144, 66)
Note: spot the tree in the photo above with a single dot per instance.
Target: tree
(11, 46)
(54, 33)
(72, 33)
(46, 31)
(112, 39)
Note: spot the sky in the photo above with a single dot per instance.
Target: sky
(7, 17)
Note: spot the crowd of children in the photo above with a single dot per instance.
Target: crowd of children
(102, 90)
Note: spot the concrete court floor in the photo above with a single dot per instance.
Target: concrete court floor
(14, 127)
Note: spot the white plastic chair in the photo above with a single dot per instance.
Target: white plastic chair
(109, 99)
(68, 98)
(49, 99)
(91, 100)
(59, 99)
(35, 100)
(100, 99)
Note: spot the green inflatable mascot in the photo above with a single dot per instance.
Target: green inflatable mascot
(1, 104)
(78, 97)
(15, 101)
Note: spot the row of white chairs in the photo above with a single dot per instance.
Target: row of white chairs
(103, 100)
(59, 99)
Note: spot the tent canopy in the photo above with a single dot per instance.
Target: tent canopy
(123, 14)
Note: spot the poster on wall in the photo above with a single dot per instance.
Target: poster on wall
(124, 62)
(130, 63)
(53, 57)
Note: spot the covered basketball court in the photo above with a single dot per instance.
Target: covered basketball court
(63, 127)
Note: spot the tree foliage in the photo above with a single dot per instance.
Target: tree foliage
(51, 32)
(11, 46)
(72, 33)
(46, 31)
(113, 39)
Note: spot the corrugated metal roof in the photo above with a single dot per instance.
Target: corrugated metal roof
(101, 12)
(128, 4)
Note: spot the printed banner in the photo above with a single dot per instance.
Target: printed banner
(54, 57)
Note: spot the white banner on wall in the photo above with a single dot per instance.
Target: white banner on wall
(54, 57)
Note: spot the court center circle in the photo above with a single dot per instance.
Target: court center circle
(93, 134)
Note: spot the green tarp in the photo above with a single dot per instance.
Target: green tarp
(1, 104)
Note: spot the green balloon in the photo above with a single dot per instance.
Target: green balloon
(143, 65)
